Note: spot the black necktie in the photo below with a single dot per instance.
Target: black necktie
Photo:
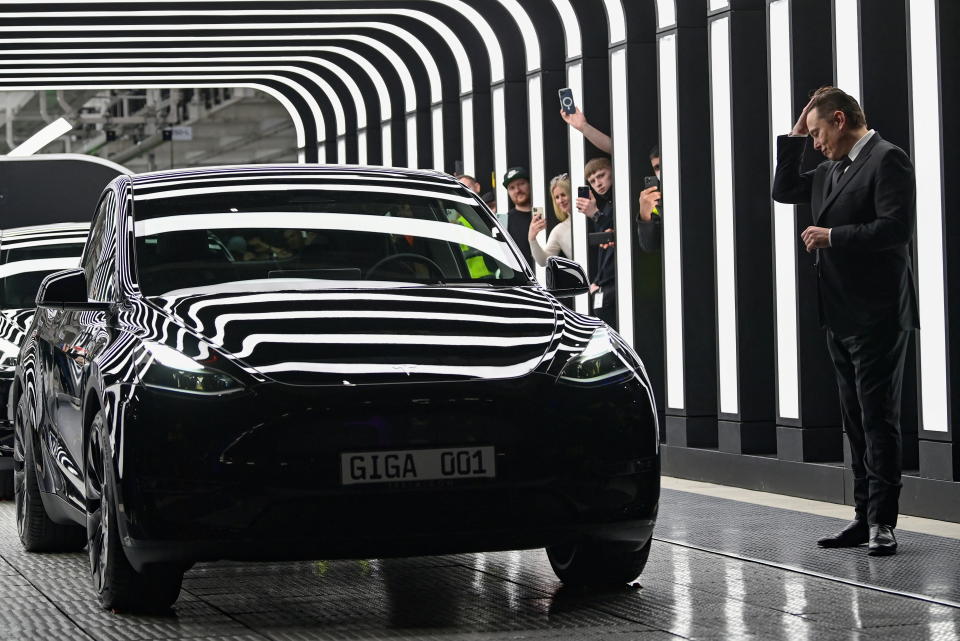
(838, 172)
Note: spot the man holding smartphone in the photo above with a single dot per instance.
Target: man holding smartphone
(649, 230)
(599, 209)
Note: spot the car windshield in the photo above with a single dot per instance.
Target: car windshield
(317, 238)
(29, 254)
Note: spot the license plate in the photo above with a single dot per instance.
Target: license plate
(416, 465)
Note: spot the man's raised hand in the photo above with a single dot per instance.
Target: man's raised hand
(800, 128)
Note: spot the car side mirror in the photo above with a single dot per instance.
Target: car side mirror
(565, 278)
(67, 290)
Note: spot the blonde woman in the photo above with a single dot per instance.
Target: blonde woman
(559, 240)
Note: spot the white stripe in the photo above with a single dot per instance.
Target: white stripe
(66, 240)
(175, 193)
(448, 232)
(251, 342)
(472, 371)
(288, 172)
(39, 265)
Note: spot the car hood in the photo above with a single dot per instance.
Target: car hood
(353, 337)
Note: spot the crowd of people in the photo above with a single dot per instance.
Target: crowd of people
(594, 201)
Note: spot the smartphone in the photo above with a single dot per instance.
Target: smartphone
(600, 237)
(583, 192)
(566, 101)
(538, 212)
(651, 181)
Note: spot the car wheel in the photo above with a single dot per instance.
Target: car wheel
(118, 585)
(37, 532)
(603, 564)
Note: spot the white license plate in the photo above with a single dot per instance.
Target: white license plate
(417, 465)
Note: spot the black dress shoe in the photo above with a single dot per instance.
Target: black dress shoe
(857, 533)
(882, 541)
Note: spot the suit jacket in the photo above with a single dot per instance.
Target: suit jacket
(864, 278)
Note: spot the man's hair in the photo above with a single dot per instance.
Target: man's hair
(827, 100)
(655, 151)
(595, 165)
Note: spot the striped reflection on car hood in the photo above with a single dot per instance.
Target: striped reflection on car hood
(376, 335)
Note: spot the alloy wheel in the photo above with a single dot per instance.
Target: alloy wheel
(19, 463)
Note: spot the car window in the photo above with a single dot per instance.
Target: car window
(316, 239)
(29, 254)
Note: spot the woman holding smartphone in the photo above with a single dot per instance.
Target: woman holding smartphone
(559, 241)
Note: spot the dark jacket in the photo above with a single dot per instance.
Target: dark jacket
(606, 263)
(865, 278)
(650, 234)
(518, 226)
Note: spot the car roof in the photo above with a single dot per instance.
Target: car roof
(299, 171)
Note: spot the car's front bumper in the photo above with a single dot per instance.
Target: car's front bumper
(257, 474)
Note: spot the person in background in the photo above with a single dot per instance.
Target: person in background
(490, 198)
(599, 209)
(579, 122)
(470, 183)
(559, 241)
(649, 221)
(517, 183)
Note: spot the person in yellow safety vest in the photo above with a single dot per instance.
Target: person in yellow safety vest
(475, 261)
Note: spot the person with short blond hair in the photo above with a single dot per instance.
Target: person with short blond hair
(599, 209)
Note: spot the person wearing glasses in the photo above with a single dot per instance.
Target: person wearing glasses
(559, 240)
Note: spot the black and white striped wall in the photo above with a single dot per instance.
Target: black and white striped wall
(725, 315)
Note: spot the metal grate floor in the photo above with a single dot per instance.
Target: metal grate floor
(686, 593)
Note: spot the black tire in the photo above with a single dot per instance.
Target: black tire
(117, 584)
(602, 564)
(6, 485)
(37, 532)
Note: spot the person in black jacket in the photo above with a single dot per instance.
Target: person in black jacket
(599, 210)
(517, 183)
(649, 218)
(863, 200)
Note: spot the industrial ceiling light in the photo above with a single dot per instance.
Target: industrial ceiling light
(42, 138)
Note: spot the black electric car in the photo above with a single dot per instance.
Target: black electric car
(42, 230)
(295, 362)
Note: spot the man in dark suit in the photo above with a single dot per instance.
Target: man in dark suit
(864, 213)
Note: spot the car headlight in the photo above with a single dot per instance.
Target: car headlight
(174, 371)
(598, 364)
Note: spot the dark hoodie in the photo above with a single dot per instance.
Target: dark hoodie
(606, 259)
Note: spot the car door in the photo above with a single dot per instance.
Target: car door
(79, 338)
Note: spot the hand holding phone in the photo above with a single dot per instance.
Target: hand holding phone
(649, 198)
(586, 203)
(538, 222)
